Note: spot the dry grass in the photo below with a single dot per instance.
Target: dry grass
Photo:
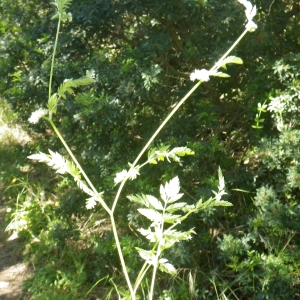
(10, 133)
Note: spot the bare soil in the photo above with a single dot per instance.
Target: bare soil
(13, 271)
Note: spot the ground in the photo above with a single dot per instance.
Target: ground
(13, 270)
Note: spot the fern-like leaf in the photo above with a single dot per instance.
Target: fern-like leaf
(230, 60)
(61, 7)
(159, 154)
(170, 192)
(52, 103)
(166, 267)
(69, 84)
(58, 163)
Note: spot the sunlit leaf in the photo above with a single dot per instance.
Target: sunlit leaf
(220, 74)
(41, 157)
(166, 267)
(121, 176)
(84, 187)
(133, 172)
(147, 255)
(176, 206)
(54, 160)
(140, 199)
(146, 200)
(152, 236)
(154, 202)
(170, 192)
(62, 166)
(91, 202)
(151, 214)
(232, 60)
(222, 203)
(169, 218)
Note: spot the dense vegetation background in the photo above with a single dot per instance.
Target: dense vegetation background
(142, 53)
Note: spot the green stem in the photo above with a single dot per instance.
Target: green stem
(218, 64)
(158, 253)
(154, 136)
(106, 277)
(141, 275)
(214, 68)
(118, 195)
(166, 121)
(53, 58)
(114, 229)
(78, 165)
(110, 212)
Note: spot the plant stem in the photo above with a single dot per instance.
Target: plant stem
(218, 64)
(214, 68)
(78, 165)
(114, 229)
(53, 57)
(158, 253)
(104, 278)
(141, 275)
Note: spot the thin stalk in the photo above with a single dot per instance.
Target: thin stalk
(217, 65)
(53, 57)
(110, 212)
(141, 275)
(158, 253)
(78, 165)
(118, 196)
(106, 277)
(154, 136)
(214, 68)
(116, 288)
(167, 119)
(114, 229)
(143, 271)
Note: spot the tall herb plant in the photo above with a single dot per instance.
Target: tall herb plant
(166, 213)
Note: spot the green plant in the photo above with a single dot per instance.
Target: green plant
(262, 256)
(159, 212)
(258, 120)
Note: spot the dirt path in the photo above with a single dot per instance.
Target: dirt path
(12, 270)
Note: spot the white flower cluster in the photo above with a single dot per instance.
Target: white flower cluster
(250, 13)
(36, 115)
(124, 175)
(202, 75)
(121, 176)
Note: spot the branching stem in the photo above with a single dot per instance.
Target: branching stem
(111, 210)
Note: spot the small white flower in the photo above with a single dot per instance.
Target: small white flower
(202, 75)
(121, 176)
(83, 155)
(250, 12)
(77, 117)
(251, 26)
(36, 115)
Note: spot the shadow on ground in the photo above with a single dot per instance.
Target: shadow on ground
(12, 269)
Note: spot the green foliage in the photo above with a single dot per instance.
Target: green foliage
(264, 255)
(62, 6)
(258, 120)
(159, 154)
(141, 54)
